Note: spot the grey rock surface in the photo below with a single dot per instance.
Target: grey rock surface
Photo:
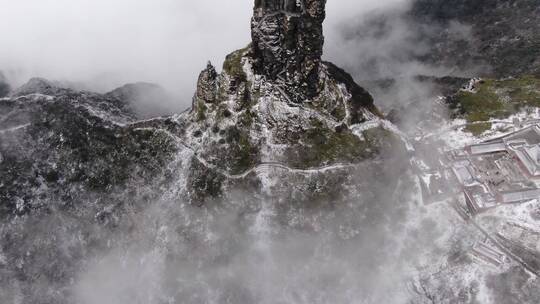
(288, 43)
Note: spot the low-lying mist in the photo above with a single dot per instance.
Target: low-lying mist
(251, 248)
(390, 52)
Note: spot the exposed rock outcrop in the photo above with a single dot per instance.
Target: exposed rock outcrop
(206, 89)
(276, 105)
(288, 43)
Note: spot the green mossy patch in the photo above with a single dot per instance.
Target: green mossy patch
(233, 65)
(497, 99)
(201, 111)
(245, 158)
(478, 128)
(339, 112)
(241, 153)
(246, 118)
(321, 146)
(222, 111)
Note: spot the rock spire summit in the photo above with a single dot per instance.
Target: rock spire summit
(288, 41)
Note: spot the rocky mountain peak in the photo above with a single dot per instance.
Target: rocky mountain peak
(37, 86)
(288, 41)
(206, 84)
(276, 104)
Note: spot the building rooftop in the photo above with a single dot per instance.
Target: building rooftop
(498, 171)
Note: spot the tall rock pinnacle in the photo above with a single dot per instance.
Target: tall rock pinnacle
(288, 42)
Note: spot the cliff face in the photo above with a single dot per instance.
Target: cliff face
(288, 43)
(286, 49)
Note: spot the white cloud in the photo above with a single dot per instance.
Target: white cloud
(110, 42)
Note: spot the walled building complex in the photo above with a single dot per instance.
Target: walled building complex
(495, 185)
(504, 170)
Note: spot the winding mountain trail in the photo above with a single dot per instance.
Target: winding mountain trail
(255, 169)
